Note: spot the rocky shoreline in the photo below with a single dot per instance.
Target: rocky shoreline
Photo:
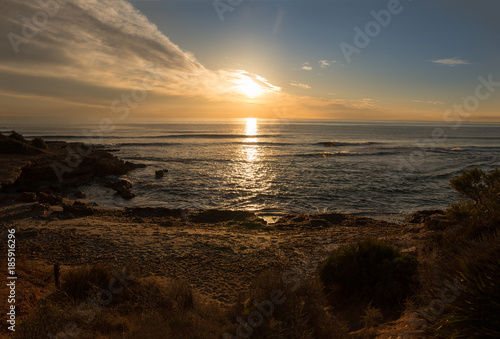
(57, 167)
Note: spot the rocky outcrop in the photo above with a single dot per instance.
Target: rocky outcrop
(24, 167)
(420, 216)
(78, 209)
(123, 188)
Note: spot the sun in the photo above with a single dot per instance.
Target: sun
(249, 87)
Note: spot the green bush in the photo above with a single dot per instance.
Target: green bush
(370, 270)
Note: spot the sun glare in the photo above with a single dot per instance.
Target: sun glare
(251, 128)
(249, 87)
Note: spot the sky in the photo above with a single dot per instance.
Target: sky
(340, 59)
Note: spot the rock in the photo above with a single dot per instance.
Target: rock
(78, 208)
(27, 197)
(123, 188)
(13, 146)
(333, 218)
(80, 195)
(28, 168)
(38, 207)
(159, 174)
(155, 212)
(18, 137)
(42, 209)
(215, 216)
(50, 199)
(39, 143)
(419, 216)
(319, 223)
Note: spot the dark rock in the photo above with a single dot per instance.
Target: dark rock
(50, 198)
(299, 219)
(39, 207)
(42, 209)
(123, 188)
(80, 195)
(333, 218)
(27, 197)
(66, 164)
(39, 143)
(12, 146)
(155, 212)
(215, 216)
(78, 209)
(420, 216)
(18, 137)
(319, 223)
(159, 174)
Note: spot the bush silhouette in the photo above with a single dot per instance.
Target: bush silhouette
(370, 270)
(479, 211)
(80, 283)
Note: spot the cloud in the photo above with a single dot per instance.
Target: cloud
(90, 51)
(450, 61)
(428, 102)
(306, 66)
(300, 85)
(323, 63)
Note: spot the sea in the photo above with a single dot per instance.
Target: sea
(380, 169)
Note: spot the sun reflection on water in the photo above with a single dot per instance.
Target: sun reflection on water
(250, 175)
(251, 128)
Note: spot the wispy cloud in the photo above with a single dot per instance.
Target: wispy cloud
(306, 66)
(90, 51)
(428, 102)
(450, 61)
(300, 85)
(323, 63)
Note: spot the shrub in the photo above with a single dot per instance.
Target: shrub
(80, 283)
(480, 208)
(303, 313)
(475, 312)
(370, 270)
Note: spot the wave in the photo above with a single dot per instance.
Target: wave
(149, 144)
(159, 144)
(340, 143)
(167, 136)
(343, 154)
